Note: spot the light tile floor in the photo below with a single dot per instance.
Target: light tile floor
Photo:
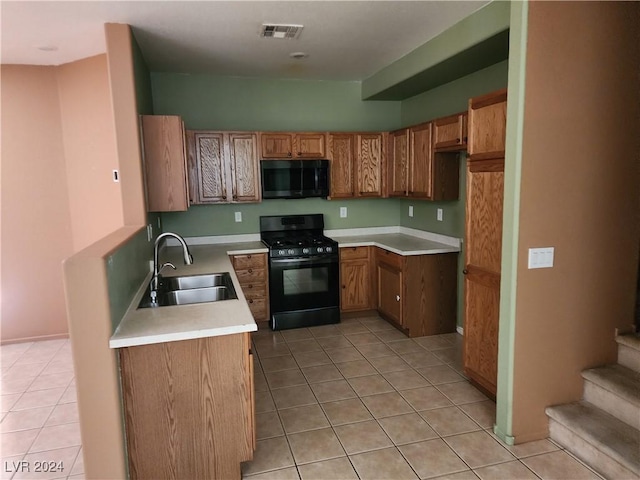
(39, 419)
(354, 400)
(361, 400)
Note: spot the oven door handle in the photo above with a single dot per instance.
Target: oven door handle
(325, 259)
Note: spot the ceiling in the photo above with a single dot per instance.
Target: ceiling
(344, 40)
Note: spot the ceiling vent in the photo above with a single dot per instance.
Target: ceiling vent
(274, 30)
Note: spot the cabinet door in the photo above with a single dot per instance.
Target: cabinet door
(399, 163)
(369, 164)
(421, 154)
(487, 125)
(390, 292)
(341, 155)
(276, 145)
(483, 232)
(450, 133)
(355, 279)
(164, 163)
(309, 145)
(210, 168)
(243, 158)
(171, 391)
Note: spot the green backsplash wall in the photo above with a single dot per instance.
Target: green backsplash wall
(208, 220)
(126, 269)
(209, 102)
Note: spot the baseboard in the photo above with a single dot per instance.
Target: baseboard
(40, 338)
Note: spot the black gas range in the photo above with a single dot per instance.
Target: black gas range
(303, 271)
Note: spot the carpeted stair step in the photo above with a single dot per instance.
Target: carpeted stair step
(629, 351)
(608, 445)
(616, 390)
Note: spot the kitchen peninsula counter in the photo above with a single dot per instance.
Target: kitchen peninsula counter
(144, 326)
(400, 243)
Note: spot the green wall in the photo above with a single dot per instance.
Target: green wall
(126, 269)
(207, 220)
(142, 77)
(209, 102)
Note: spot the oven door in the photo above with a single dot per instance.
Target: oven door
(304, 283)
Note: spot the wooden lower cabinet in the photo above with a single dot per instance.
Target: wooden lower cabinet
(253, 274)
(189, 407)
(417, 293)
(355, 279)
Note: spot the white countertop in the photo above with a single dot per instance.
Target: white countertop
(184, 322)
(399, 243)
(146, 326)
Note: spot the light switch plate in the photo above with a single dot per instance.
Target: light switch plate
(343, 212)
(411, 210)
(541, 257)
(238, 216)
(439, 214)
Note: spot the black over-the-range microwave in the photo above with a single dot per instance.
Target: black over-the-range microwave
(295, 178)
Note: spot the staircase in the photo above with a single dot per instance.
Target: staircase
(603, 430)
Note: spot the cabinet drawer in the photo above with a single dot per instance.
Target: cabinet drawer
(353, 253)
(258, 307)
(252, 275)
(254, 290)
(389, 258)
(245, 262)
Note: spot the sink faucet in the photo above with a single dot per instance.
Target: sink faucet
(188, 260)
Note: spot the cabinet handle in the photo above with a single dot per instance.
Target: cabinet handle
(344, 286)
(249, 286)
(457, 140)
(465, 271)
(250, 270)
(397, 298)
(289, 154)
(299, 154)
(251, 301)
(248, 256)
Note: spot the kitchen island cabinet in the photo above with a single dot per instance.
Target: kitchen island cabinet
(189, 407)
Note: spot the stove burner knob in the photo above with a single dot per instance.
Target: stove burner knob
(291, 251)
(320, 250)
(305, 250)
(281, 252)
(328, 249)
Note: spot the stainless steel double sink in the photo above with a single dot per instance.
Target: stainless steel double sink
(189, 289)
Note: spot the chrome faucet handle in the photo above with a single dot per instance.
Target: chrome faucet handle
(168, 264)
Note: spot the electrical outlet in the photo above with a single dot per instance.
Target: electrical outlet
(149, 232)
(343, 212)
(411, 210)
(439, 214)
(238, 216)
(159, 223)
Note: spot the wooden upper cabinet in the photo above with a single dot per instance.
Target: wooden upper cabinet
(278, 145)
(399, 163)
(207, 166)
(487, 125)
(164, 163)
(341, 154)
(243, 158)
(421, 155)
(223, 167)
(370, 159)
(450, 133)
